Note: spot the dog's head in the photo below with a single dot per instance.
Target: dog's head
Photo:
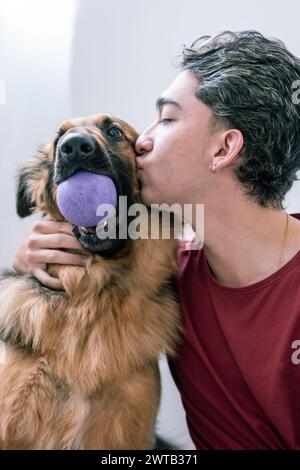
(99, 144)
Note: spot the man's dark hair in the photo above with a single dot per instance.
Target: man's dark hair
(246, 79)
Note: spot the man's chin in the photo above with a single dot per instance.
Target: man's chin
(149, 197)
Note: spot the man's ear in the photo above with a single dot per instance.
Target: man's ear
(33, 183)
(229, 145)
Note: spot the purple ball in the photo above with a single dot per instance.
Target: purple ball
(79, 196)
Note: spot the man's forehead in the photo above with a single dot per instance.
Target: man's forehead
(181, 89)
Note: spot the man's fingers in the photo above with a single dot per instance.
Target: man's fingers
(50, 226)
(48, 217)
(54, 240)
(47, 280)
(57, 257)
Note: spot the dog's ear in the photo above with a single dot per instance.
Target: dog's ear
(25, 206)
(33, 183)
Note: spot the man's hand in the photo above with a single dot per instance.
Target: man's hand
(43, 246)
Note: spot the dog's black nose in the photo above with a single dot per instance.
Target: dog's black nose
(80, 146)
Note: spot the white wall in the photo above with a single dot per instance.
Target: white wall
(34, 63)
(118, 60)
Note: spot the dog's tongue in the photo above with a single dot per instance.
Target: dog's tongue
(89, 229)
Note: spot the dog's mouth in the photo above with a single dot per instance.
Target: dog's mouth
(87, 230)
(101, 162)
(103, 239)
(87, 237)
(91, 234)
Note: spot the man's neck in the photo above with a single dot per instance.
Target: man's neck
(245, 243)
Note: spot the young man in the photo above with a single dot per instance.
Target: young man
(227, 135)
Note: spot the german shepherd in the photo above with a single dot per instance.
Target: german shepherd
(81, 368)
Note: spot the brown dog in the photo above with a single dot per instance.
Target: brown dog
(81, 367)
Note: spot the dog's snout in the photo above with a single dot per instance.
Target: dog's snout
(79, 151)
(77, 146)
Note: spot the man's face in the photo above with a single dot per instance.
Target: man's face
(175, 154)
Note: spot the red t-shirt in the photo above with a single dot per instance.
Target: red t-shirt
(236, 369)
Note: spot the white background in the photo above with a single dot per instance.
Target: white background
(64, 58)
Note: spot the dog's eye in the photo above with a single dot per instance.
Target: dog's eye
(115, 133)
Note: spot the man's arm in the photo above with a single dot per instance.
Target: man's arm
(43, 246)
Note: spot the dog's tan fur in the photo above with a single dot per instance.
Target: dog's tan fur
(82, 365)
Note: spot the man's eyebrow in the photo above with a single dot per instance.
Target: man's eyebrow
(161, 101)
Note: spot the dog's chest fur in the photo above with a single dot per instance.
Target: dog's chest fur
(87, 358)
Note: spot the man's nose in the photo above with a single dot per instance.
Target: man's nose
(143, 144)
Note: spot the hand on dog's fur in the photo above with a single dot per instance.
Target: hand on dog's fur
(43, 246)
